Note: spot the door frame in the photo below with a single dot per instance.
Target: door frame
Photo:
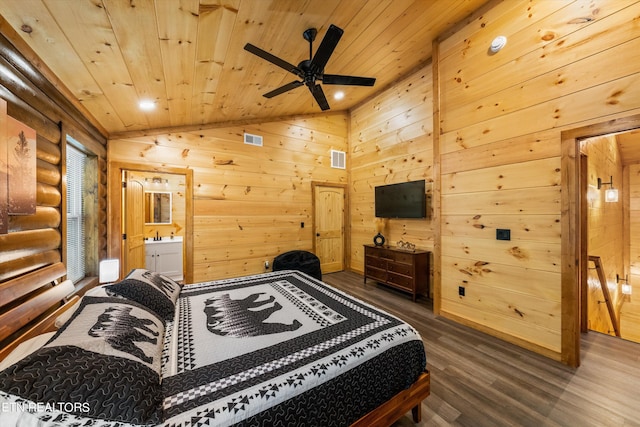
(572, 228)
(346, 241)
(114, 209)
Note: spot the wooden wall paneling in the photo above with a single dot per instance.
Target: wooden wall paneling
(522, 148)
(538, 227)
(604, 220)
(629, 306)
(248, 202)
(502, 116)
(390, 141)
(555, 35)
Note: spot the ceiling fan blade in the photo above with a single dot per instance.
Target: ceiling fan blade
(328, 44)
(273, 59)
(318, 94)
(334, 79)
(283, 89)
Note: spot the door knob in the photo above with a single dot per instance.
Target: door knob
(317, 234)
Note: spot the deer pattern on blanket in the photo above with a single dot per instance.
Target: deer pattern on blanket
(121, 330)
(239, 317)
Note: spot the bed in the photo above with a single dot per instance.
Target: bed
(278, 348)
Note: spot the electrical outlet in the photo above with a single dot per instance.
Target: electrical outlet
(461, 291)
(266, 265)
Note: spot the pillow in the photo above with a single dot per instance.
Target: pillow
(98, 291)
(103, 363)
(153, 290)
(25, 348)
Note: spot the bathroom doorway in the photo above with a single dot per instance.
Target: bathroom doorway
(163, 213)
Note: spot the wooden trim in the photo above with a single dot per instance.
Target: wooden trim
(583, 229)
(43, 326)
(218, 125)
(571, 222)
(436, 188)
(114, 209)
(393, 409)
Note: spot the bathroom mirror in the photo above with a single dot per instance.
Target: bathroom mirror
(157, 207)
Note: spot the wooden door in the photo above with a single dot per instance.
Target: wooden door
(329, 221)
(133, 218)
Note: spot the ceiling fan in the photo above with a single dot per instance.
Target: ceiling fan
(312, 70)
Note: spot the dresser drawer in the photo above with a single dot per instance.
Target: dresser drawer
(400, 281)
(406, 269)
(405, 258)
(376, 274)
(376, 262)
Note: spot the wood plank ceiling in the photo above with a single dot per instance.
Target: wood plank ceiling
(187, 56)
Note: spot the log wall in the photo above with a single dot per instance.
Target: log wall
(37, 241)
(249, 202)
(565, 65)
(391, 141)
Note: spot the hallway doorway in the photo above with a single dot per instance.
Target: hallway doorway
(594, 228)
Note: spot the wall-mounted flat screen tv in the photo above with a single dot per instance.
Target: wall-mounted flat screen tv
(402, 200)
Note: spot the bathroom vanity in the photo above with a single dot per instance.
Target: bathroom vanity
(165, 256)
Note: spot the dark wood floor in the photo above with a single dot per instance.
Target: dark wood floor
(478, 380)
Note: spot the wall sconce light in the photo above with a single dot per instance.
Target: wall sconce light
(611, 195)
(156, 180)
(626, 287)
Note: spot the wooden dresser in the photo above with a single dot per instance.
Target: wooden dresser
(402, 269)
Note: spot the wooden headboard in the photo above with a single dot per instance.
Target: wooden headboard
(29, 305)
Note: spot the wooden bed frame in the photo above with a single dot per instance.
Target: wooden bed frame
(30, 304)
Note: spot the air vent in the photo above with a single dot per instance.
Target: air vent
(253, 139)
(338, 159)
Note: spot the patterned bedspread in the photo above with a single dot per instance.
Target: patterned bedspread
(282, 348)
(277, 349)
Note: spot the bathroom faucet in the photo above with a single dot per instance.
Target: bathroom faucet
(157, 237)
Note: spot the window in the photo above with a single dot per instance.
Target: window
(82, 209)
(75, 213)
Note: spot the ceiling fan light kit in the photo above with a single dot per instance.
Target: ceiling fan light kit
(311, 71)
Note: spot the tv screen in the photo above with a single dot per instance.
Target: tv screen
(403, 200)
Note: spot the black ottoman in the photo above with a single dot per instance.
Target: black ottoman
(298, 260)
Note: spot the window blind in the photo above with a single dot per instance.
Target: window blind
(76, 161)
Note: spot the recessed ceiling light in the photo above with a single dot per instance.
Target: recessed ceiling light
(147, 105)
(338, 95)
